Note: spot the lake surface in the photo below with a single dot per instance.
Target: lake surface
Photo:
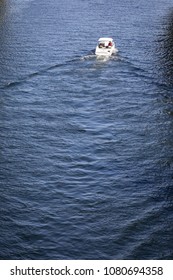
(86, 144)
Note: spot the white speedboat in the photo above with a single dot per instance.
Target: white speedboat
(105, 47)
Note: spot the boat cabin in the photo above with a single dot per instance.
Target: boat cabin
(105, 43)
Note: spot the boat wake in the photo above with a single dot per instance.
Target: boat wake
(92, 55)
(89, 57)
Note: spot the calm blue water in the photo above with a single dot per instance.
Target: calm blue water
(86, 149)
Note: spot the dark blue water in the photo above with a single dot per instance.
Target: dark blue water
(86, 149)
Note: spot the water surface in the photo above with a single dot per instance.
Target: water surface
(86, 144)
